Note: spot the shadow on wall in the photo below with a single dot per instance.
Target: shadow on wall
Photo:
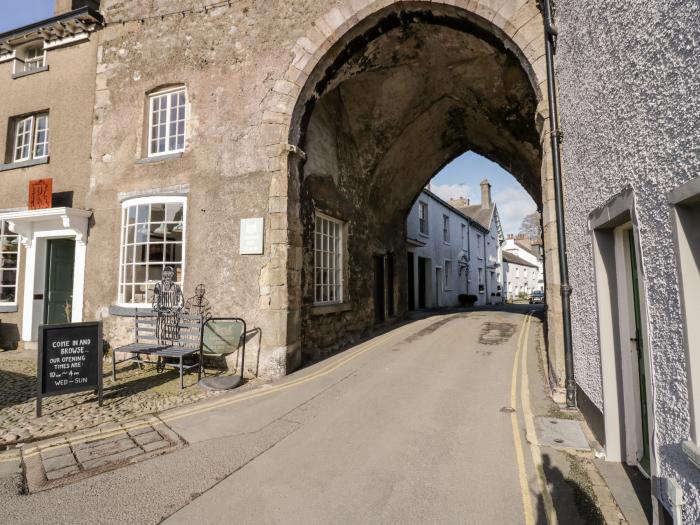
(9, 336)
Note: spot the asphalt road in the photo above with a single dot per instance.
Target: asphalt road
(414, 426)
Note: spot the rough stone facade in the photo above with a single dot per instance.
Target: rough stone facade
(630, 95)
(290, 132)
(344, 107)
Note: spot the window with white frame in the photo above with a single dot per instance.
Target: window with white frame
(446, 228)
(166, 126)
(152, 237)
(9, 264)
(423, 217)
(34, 57)
(31, 137)
(448, 274)
(328, 260)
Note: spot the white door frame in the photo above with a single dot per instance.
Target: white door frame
(619, 369)
(34, 227)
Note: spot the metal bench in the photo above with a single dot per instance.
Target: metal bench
(184, 339)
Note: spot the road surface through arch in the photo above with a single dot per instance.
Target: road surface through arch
(417, 430)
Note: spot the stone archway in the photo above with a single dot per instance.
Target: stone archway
(379, 96)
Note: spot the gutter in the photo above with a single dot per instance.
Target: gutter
(85, 10)
(550, 37)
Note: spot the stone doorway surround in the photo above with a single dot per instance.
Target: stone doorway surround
(516, 23)
(34, 227)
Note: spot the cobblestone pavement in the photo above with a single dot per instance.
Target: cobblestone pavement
(63, 460)
(135, 393)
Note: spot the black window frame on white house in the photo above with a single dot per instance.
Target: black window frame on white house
(423, 223)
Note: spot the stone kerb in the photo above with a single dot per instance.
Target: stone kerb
(519, 20)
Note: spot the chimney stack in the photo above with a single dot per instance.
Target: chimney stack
(64, 6)
(485, 194)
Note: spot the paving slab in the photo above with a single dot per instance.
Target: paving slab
(560, 433)
(54, 463)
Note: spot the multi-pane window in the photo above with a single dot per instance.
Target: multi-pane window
(31, 137)
(446, 228)
(423, 217)
(153, 233)
(9, 260)
(448, 273)
(167, 122)
(328, 260)
(464, 237)
(33, 58)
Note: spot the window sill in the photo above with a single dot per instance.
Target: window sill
(426, 235)
(324, 309)
(160, 158)
(692, 451)
(30, 72)
(24, 164)
(128, 311)
(8, 308)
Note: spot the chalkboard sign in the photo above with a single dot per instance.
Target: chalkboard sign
(70, 360)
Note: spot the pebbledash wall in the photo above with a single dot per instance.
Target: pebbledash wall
(629, 87)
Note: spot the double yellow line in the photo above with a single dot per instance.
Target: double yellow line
(205, 407)
(530, 434)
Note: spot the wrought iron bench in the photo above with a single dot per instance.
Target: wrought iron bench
(183, 340)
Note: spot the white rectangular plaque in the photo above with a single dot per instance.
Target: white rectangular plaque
(252, 236)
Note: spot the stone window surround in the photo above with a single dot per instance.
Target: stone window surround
(620, 402)
(24, 164)
(688, 193)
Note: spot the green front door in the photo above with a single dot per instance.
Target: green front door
(58, 290)
(638, 340)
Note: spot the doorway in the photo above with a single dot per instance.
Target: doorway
(438, 286)
(411, 282)
(58, 288)
(638, 341)
(379, 302)
(621, 305)
(422, 282)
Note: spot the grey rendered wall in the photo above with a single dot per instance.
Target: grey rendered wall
(629, 88)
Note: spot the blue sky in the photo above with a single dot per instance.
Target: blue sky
(461, 178)
(18, 13)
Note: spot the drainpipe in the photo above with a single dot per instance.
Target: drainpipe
(550, 37)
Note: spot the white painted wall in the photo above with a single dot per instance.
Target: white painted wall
(468, 243)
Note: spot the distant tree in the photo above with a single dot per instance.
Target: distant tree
(530, 227)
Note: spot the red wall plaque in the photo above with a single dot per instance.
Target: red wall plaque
(40, 191)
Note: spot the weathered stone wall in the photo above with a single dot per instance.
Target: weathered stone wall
(245, 68)
(629, 85)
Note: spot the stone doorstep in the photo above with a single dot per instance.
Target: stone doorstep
(96, 456)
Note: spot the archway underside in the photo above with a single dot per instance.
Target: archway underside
(377, 121)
